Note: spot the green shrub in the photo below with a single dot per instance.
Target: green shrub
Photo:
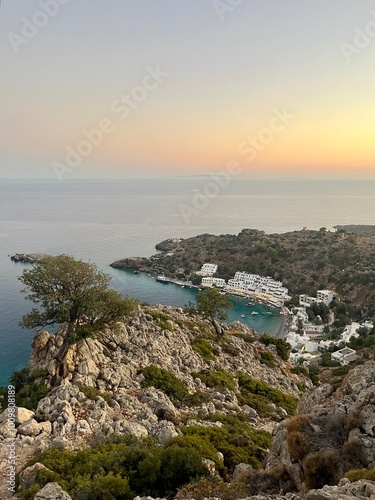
(172, 386)
(236, 440)
(229, 348)
(300, 370)
(120, 469)
(161, 319)
(282, 347)
(3, 398)
(166, 381)
(29, 389)
(258, 395)
(204, 348)
(267, 358)
(245, 337)
(358, 474)
(198, 398)
(92, 393)
(340, 372)
(169, 468)
(217, 379)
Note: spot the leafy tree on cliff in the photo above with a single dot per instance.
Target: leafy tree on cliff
(214, 306)
(73, 292)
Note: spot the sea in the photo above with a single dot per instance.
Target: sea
(102, 221)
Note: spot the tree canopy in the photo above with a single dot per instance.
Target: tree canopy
(71, 291)
(212, 304)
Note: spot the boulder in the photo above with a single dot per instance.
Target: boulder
(164, 431)
(28, 476)
(22, 415)
(240, 470)
(33, 428)
(52, 491)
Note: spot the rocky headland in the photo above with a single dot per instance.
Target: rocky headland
(305, 261)
(161, 375)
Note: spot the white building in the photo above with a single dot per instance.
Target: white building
(306, 300)
(344, 356)
(302, 343)
(325, 296)
(210, 281)
(208, 269)
(350, 331)
(256, 284)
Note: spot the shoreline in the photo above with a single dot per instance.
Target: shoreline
(281, 334)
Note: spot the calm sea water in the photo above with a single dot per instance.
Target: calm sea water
(104, 221)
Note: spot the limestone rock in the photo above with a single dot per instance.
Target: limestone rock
(52, 491)
(240, 470)
(164, 431)
(28, 475)
(33, 428)
(22, 415)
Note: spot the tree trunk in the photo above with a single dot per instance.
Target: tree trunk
(218, 329)
(62, 368)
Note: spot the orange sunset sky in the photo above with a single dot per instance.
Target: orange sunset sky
(183, 87)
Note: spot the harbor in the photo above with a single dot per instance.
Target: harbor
(179, 293)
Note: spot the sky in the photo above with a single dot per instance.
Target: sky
(147, 88)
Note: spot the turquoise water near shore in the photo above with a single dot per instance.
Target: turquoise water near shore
(109, 220)
(266, 321)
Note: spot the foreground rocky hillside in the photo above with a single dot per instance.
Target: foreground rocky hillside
(161, 375)
(157, 407)
(304, 261)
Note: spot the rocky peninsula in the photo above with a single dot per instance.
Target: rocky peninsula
(305, 261)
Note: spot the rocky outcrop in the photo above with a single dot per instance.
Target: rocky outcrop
(111, 366)
(28, 258)
(332, 432)
(103, 393)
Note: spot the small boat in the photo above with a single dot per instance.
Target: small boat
(135, 272)
(182, 286)
(243, 316)
(254, 312)
(162, 279)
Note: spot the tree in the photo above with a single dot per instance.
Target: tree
(73, 292)
(214, 306)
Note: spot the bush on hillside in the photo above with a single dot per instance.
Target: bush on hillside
(217, 379)
(120, 469)
(258, 395)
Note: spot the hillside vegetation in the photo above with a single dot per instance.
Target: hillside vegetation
(305, 261)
